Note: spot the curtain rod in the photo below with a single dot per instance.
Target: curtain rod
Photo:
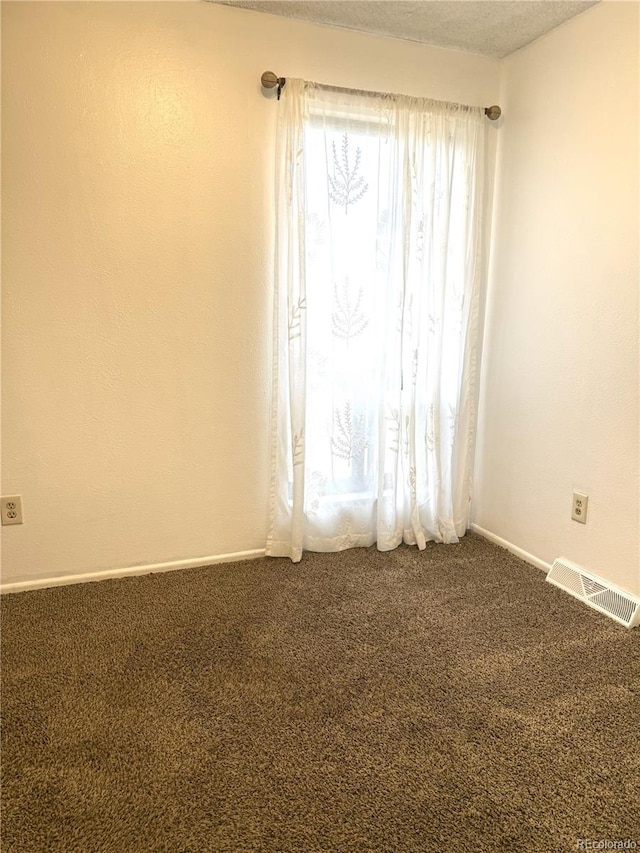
(270, 80)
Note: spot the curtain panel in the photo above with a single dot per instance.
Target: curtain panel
(378, 267)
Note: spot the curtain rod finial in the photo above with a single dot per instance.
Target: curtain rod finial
(269, 80)
(493, 113)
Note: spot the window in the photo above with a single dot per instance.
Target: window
(377, 275)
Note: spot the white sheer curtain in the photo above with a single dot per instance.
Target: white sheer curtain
(377, 279)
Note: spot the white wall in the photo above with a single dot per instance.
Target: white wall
(137, 157)
(559, 406)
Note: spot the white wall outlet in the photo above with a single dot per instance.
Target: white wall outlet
(11, 509)
(579, 507)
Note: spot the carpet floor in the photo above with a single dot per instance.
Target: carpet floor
(436, 701)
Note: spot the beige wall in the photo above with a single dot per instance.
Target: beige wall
(137, 157)
(560, 398)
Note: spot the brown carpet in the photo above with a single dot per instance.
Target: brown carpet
(445, 700)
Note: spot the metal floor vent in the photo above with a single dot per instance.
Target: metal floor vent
(595, 592)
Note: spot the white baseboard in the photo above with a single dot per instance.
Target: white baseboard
(503, 543)
(146, 569)
(107, 574)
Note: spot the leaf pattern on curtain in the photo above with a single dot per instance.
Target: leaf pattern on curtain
(347, 319)
(420, 237)
(298, 448)
(315, 492)
(414, 367)
(453, 424)
(346, 186)
(432, 438)
(348, 440)
(412, 481)
(393, 419)
(295, 318)
(407, 438)
(378, 260)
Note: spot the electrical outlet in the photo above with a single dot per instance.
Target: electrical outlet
(579, 507)
(11, 509)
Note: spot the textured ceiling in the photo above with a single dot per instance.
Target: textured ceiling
(491, 27)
